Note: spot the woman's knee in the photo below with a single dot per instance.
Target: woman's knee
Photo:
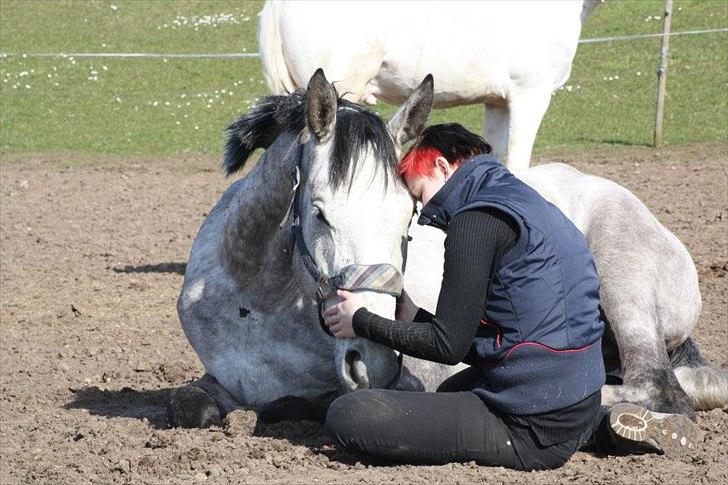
(355, 413)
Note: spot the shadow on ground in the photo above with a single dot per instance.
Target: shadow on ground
(124, 403)
(172, 267)
(152, 406)
(611, 141)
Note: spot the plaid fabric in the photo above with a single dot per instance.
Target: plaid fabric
(381, 278)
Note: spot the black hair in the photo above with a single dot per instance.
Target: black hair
(453, 140)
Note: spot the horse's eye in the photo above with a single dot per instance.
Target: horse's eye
(320, 216)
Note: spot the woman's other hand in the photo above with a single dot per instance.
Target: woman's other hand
(339, 317)
(406, 308)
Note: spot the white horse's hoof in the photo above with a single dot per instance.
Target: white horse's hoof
(638, 429)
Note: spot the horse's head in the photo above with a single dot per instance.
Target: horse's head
(349, 205)
(355, 210)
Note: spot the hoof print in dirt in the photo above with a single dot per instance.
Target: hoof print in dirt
(292, 408)
(191, 407)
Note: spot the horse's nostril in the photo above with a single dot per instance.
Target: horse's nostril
(357, 369)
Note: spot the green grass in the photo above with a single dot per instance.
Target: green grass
(174, 106)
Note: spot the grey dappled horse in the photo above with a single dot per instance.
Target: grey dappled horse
(249, 304)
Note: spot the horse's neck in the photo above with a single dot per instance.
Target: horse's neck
(255, 248)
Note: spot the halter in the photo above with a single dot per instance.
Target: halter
(380, 278)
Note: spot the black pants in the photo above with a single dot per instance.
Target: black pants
(438, 427)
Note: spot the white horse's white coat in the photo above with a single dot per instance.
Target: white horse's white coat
(508, 55)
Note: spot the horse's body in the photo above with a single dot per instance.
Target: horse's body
(649, 290)
(508, 55)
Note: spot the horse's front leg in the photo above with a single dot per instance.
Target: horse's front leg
(200, 404)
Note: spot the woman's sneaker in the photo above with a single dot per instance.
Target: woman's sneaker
(637, 429)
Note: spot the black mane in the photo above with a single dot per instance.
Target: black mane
(357, 130)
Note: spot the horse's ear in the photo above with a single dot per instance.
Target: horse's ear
(321, 97)
(410, 119)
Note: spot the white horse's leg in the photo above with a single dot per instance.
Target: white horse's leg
(496, 123)
(527, 108)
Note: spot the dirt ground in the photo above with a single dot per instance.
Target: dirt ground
(92, 260)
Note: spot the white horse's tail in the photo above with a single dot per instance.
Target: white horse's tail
(270, 46)
(706, 384)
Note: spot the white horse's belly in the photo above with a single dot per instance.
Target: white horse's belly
(476, 51)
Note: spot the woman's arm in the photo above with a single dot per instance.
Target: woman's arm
(475, 242)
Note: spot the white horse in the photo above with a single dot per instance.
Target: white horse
(649, 292)
(509, 55)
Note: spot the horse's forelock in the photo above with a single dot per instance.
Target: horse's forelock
(358, 130)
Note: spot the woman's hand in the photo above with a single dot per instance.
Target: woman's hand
(406, 308)
(339, 317)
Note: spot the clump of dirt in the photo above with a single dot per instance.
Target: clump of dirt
(92, 262)
(714, 270)
(240, 423)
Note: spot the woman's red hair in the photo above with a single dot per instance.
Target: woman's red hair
(418, 161)
(450, 141)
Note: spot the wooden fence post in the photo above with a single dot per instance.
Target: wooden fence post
(662, 73)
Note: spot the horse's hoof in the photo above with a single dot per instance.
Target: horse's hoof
(191, 407)
(638, 429)
(291, 408)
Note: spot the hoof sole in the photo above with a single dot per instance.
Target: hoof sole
(668, 434)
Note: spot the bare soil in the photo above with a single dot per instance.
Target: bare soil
(92, 259)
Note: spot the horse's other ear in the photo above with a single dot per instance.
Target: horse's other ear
(322, 102)
(411, 118)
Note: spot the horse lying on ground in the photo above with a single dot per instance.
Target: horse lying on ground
(508, 55)
(323, 204)
(252, 297)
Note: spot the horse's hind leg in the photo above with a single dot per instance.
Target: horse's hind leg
(648, 376)
(200, 404)
(351, 75)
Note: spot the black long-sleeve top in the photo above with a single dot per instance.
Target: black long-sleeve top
(476, 240)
